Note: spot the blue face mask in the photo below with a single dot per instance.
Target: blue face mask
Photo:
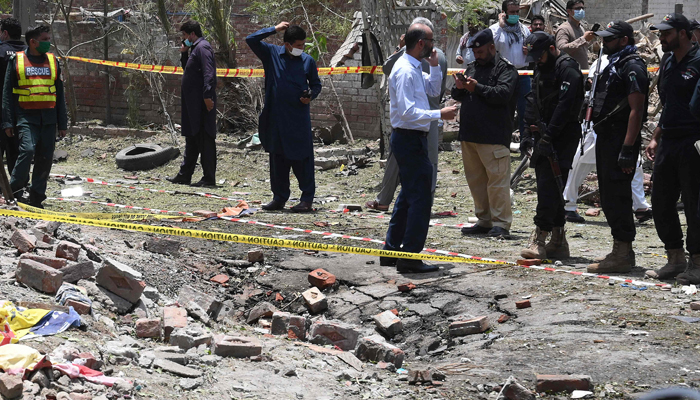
(513, 19)
(188, 43)
(579, 14)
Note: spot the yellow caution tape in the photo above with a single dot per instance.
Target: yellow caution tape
(259, 73)
(254, 240)
(98, 216)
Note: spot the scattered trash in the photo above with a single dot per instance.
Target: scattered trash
(75, 191)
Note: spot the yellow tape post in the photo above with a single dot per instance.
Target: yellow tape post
(254, 240)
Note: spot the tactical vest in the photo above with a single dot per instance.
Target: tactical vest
(601, 95)
(36, 82)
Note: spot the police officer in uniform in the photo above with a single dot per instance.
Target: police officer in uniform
(552, 128)
(33, 102)
(10, 35)
(620, 109)
(672, 148)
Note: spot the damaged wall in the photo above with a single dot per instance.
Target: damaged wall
(604, 11)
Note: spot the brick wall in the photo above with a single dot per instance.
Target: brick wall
(604, 11)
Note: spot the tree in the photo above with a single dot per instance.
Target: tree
(215, 18)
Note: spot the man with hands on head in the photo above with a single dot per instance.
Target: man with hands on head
(33, 102)
(291, 83)
(410, 113)
(487, 93)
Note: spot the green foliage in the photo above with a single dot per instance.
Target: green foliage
(323, 14)
(316, 50)
(471, 12)
(6, 6)
(214, 17)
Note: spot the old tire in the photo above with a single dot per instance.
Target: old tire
(145, 156)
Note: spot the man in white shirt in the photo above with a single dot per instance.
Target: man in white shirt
(584, 164)
(410, 113)
(509, 37)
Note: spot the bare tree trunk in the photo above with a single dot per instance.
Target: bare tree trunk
(72, 104)
(108, 114)
(346, 125)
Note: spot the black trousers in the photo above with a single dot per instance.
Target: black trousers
(279, 177)
(9, 146)
(615, 186)
(550, 209)
(201, 144)
(677, 173)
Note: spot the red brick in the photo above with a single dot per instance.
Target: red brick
(173, 317)
(503, 318)
(406, 287)
(79, 307)
(68, 250)
(221, 278)
(522, 304)
(148, 328)
(56, 263)
(563, 383)
(468, 327)
(321, 278)
(23, 241)
(39, 276)
(88, 360)
(279, 297)
(256, 256)
(121, 280)
(297, 327)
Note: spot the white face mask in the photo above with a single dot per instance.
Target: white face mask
(296, 52)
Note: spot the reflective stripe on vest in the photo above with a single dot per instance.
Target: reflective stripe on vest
(36, 83)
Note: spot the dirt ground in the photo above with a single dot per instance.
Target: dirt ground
(623, 337)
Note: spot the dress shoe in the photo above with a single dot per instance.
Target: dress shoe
(304, 206)
(643, 215)
(374, 204)
(415, 266)
(274, 205)
(572, 216)
(475, 230)
(179, 179)
(203, 183)
(497, 231)
(387, 261)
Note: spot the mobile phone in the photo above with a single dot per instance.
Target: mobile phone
(460, 76)
(306, 94)
(595, 28)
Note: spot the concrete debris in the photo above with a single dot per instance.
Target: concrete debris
(189, 337)
(335, 333)
(297, 327)
(148, 328)
(11, 386)
(74, 273)
(280, 323)
(416, 376)
(513, 390)
(190, 384)
(194, 300)
(315, 301)
(262, 309)
(351, 360)
(176, 369)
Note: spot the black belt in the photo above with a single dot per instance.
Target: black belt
(411, 131)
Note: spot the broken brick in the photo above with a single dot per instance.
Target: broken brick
(516, 391)
(468, 327)
(39, 276)
(315, 300)
(695, 305)
(205, 213)
(236, 346)
(297, 327)
(148, 328)
(194, 300)
(376, 349)
(406, 287)
(23, 241)
(419, 376)
(221, 278)
(280, 323)
(522, 304)
(279, 297)
(162, 246)
(262, 309)
(321, 279)
(121, 280)
(11, 386)
(68, 250)
(79, 307)
(56, 263)
(388, 323)
(563, 383)
(256, 256)
(76, 272)
(173, 317)
(503, 318)
(395, 312)
(335, 333)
